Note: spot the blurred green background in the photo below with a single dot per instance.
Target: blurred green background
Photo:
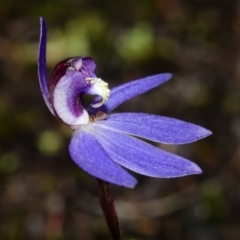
(44, 195)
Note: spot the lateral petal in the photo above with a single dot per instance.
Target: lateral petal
(124, 92)
(155, 128)
(89, 154)
(142, 157)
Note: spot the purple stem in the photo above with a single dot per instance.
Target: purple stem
(109, 210)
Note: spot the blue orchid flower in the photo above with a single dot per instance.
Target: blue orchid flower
(103, 144)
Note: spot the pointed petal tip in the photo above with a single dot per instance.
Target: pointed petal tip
(197, 169)
(168, 75)
(42, 20)
(163, 77)
(128, 184)
(193, 169)
(208, 132)
(203, 133)
(132, 184)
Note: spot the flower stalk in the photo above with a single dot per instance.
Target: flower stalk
(109, 210)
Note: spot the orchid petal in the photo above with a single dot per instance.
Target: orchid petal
(142, 157)
(42, 64)
(66, 98)
(88, 154)
(155, 128)
(124, 92)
